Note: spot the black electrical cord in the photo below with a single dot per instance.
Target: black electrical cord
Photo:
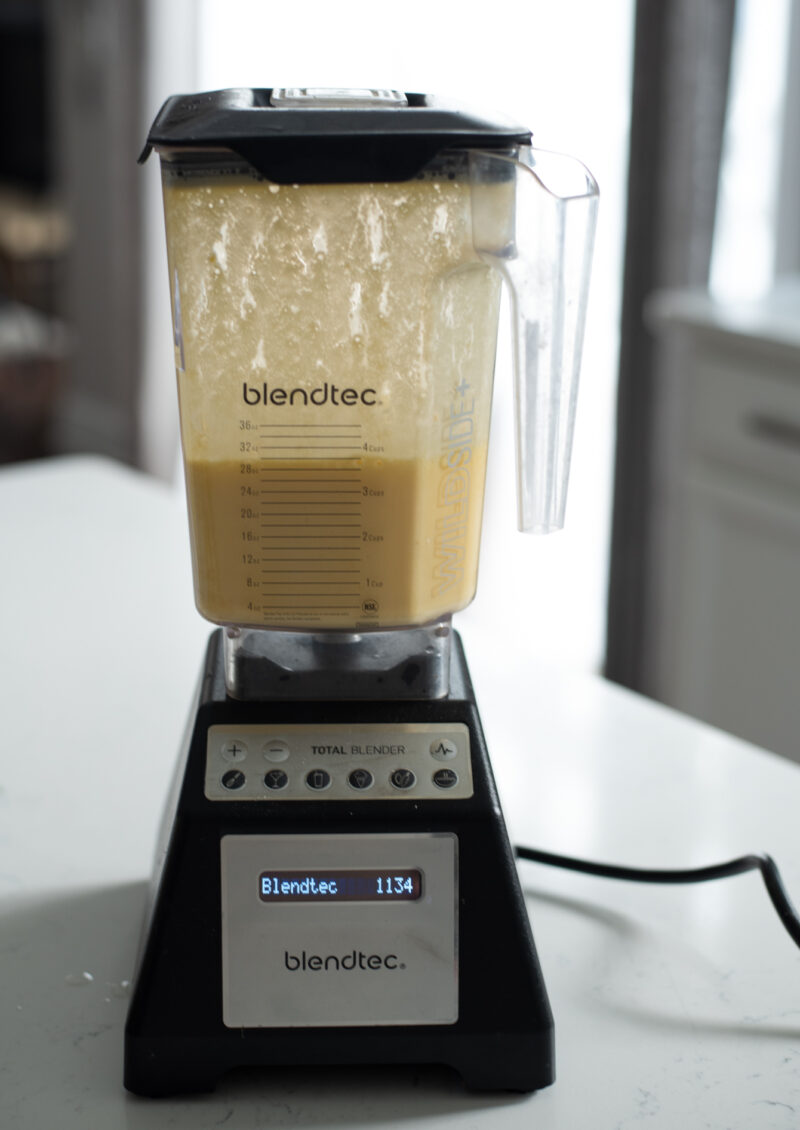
(763, 863)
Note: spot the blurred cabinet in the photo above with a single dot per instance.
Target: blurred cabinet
(726, 638)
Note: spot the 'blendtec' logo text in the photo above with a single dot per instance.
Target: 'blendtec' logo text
(350, 962)
(321, 394)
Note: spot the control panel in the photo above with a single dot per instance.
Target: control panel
(359, 762)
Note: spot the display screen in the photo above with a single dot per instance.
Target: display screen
(339, 886)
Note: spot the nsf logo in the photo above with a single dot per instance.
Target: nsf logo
(369, 606)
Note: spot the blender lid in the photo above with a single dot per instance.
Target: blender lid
(308, 135)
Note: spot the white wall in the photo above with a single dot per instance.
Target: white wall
(171, 68)
(757, 225)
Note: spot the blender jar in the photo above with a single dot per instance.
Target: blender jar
(335, 261)
(335, 350)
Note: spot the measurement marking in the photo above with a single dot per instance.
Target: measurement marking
(332, 470)
(310, 483)
(322, 559)
(293, 492)
(310, 458)
(309, 513)
(311, 435)
(312, 537)
(321, 572)
(309, 446)
(339, 425)
(291, 498)
(309, 501)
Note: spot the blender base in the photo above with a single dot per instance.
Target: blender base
(219, 986)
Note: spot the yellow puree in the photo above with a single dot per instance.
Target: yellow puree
(370, 542)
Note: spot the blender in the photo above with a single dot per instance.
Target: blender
(334, 882)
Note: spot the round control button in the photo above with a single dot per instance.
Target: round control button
(445, 778)
(234, 750)
(403, 778)
(233, 779)
(443, 749)
(276, 750)
(318, 779)
(276, 779)
(360, 779)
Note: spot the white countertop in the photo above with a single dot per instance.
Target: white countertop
(675, 1008)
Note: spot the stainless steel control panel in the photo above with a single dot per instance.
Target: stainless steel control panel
(339, 930)
(360, 762)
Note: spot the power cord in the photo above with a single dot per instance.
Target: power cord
(761, 862)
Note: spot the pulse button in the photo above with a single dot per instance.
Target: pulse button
(443, 749)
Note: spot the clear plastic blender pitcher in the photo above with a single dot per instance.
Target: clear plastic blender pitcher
(335, 262)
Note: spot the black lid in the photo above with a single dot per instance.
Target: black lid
(326, 136)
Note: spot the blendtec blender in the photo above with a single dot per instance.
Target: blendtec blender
(334, 882)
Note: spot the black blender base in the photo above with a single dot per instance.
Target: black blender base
(164, 1068)
(175, 1038)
